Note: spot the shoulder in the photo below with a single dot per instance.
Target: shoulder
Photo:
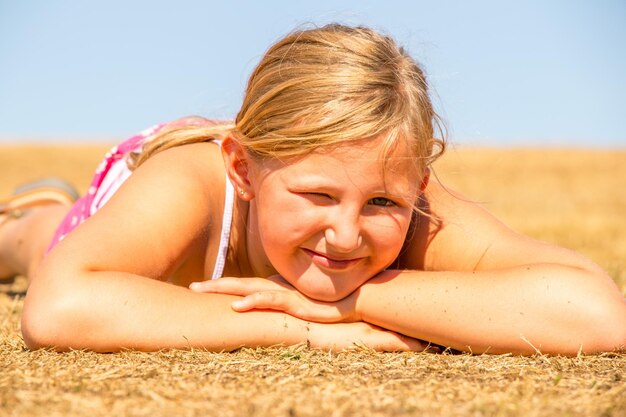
(186, 183)
(459, 234)
(162, 212)
(449, 232)
(184, 171)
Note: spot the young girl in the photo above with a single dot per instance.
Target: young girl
(316, 206)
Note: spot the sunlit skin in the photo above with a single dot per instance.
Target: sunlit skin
(473, 284)
(329, 221)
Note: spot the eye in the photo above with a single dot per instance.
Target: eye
(381, 202)
(318, 198)
(321, 195)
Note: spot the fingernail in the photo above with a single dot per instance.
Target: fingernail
(195, 286)
(238, 304)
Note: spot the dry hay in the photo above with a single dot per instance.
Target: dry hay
(297, 381)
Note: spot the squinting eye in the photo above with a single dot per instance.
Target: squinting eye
(381, 201)
(317, 197)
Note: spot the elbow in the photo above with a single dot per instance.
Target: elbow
(46, 324)
(606, 328)
(35, 334)
(52, 316)
(614, 339)
(595, 315)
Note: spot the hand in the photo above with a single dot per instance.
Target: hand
(274, 293)
(342, 336)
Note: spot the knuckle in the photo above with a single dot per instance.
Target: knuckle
(300, 312)
(267, 297)
(273, 297)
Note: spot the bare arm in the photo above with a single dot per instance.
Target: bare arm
(108, 312)
(102, 287)
(544, 307)
(474, 284)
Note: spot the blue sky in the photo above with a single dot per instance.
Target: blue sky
(503, 72)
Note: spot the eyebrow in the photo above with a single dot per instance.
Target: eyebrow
(320, 184)
(313, 178)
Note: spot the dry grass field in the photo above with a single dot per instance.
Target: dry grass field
(574, 198)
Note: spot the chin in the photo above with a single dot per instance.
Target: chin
(329, 298)
(325, 294)
(322, 286)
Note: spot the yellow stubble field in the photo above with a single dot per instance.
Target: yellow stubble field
(574, 198)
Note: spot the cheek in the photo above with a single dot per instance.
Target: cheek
(387, 234)
(286, 224)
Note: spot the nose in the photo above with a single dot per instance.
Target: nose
(343, 233)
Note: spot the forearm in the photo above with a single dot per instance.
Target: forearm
(552, 308)
(105, 311)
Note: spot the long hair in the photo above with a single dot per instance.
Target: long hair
(322, 87)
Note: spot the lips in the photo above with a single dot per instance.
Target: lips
(327, 262)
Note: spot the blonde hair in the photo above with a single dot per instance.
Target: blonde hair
(322, 87)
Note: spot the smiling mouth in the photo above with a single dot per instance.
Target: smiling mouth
(330, 263)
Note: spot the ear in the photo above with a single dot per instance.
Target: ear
(237, 163)
(425, 180)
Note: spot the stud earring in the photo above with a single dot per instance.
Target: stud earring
(242, 192)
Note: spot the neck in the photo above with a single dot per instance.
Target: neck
(257, 260)
(237, 252)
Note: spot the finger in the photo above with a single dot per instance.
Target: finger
(270, 300)
(411, 344)
(390, 341)
(234, 286)
(287, 303)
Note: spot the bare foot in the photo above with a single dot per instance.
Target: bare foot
(25, 236)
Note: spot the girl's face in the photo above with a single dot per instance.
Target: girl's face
(329, 221)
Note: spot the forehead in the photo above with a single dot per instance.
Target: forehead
(373, 152)
(362, 163)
